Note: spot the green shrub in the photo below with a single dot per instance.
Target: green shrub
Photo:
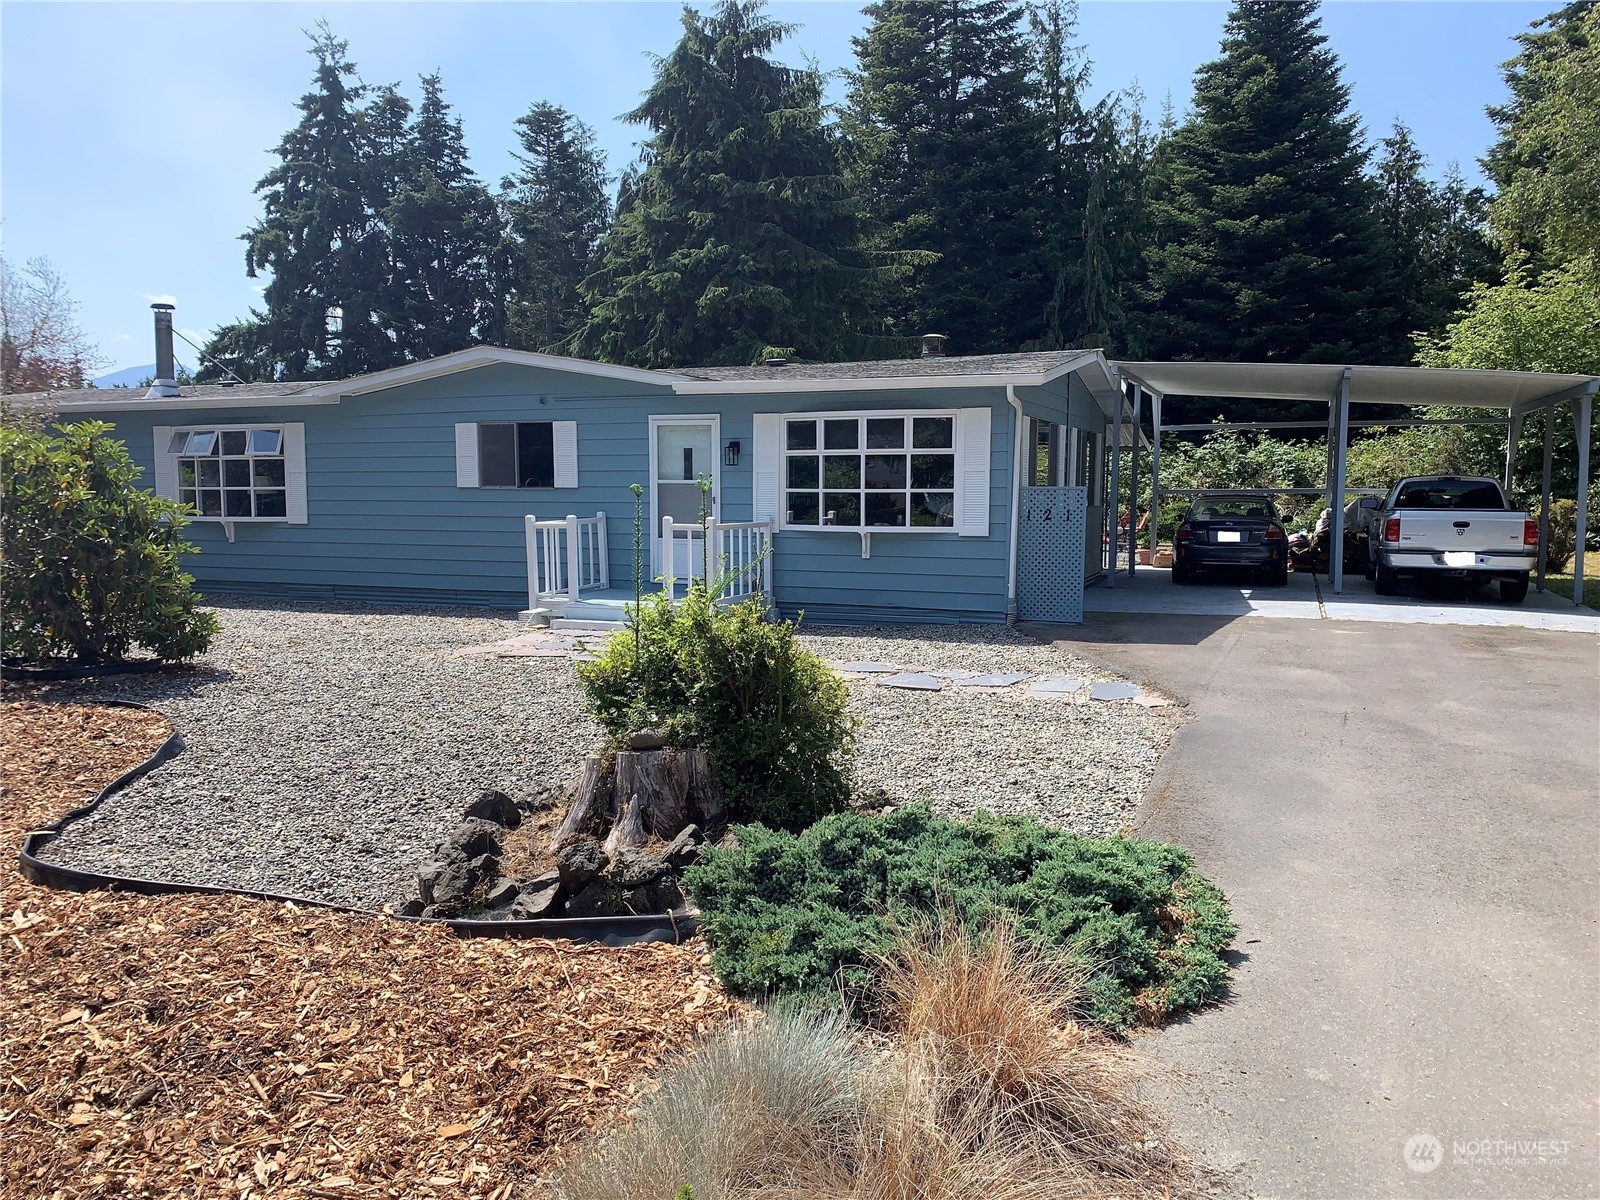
(89, 562)
(1562, 535)
(802, 913)
(726, 679)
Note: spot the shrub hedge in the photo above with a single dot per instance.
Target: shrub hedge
(801, 912)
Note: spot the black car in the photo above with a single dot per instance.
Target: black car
(1231, 530)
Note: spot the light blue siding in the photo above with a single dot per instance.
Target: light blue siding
(387, 521)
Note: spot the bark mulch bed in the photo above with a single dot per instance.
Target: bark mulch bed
(188, 1046)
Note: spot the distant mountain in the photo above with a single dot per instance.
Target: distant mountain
(129, 376)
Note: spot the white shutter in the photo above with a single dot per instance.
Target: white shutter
(166, 474)
(294, 471)
(766, 457)
(467, 454)
(565, 436)
(972, 472)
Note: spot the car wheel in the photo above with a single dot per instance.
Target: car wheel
(1279, 577)
(1180, 573)
(1514, 591)
(1385, 580)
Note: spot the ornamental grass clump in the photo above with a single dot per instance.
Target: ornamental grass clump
(90, 563)
(807, 912)
(977, 1087)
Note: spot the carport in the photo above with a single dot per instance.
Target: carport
(1506, 398)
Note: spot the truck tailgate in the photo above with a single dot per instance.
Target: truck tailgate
(1461, 530)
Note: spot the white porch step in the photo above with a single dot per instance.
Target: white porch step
(586, 625)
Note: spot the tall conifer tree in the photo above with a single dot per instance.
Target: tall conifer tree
(322, 238)
(557, 210)
(445, 230)
(949, 156)
(1269, 248)
(739, 233)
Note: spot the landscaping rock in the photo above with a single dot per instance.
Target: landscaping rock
(646, 739)
(537, 902)
(664, 895)
(636, 868)
(496, 807)
(579, 862)
(502, 893)
(598, 899)
(426, 878)
(1113, 691)
(916, 681)
(474, 837)
(684, 850)
(410, 908)
(540, 800)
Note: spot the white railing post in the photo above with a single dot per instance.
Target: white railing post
(710, 558)
(574, 557)
(669, 553)
(603, 550)
(531, 529)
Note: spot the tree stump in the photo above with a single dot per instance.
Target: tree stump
(634, 795)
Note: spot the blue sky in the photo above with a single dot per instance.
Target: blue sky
(133, 134)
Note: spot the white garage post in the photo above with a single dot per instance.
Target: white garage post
(1544, 494)
(1341, 436)
(1155, 471)
(1114, 504)
(1133, 483)
(1582, 416)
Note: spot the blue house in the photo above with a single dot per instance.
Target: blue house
(934, 489)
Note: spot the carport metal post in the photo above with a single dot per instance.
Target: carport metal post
(1513, 433)
(1582, 417)
(1544, 493)
(1114, 505)
(1155, 471)
(1133, 483)
(1341, 435)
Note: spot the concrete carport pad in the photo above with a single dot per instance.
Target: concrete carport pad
(1309, 597)
(1405, 819)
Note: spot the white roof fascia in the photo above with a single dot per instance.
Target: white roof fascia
(1576, 392)
(483, 356)
(767, 387)
(140, 404)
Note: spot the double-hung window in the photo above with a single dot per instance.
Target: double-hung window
(870, 471)
(233, 473)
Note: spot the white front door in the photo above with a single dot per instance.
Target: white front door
(683, 450)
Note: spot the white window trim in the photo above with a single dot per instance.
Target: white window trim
(784, 452)
(293, 455)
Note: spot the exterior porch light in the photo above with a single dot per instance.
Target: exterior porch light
(730, 454)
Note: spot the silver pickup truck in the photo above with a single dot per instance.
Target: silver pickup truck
(1449, 526)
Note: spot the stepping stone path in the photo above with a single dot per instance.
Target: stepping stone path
(915, 680)
(545, 643)
(997, 680)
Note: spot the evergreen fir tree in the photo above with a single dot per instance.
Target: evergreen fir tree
(1269, 250)
(739, 233)
(949, 155)
(557, 210)
(322, 238)
(444, 229)
(1437, 244)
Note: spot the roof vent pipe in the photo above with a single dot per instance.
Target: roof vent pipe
(166, 381)
(933, 345)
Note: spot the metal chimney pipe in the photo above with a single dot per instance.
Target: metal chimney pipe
(166, 381)
(933, 345)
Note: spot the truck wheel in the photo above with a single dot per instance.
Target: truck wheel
(1514, 591)
(1385, 580)
(1367, 568)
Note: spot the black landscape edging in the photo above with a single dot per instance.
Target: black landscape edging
(23, 673)
(608, 931)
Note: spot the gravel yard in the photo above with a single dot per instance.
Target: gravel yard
(329, 749)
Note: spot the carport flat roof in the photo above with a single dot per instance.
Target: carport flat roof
(1503, 390)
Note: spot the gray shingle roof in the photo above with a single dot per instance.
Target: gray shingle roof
(1036, 363)
(187, 391)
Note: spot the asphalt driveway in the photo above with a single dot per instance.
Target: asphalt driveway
(1407, 821)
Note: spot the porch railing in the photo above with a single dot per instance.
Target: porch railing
(740, 555)
(566, 556)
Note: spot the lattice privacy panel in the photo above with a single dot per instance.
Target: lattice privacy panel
(1050, 553)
